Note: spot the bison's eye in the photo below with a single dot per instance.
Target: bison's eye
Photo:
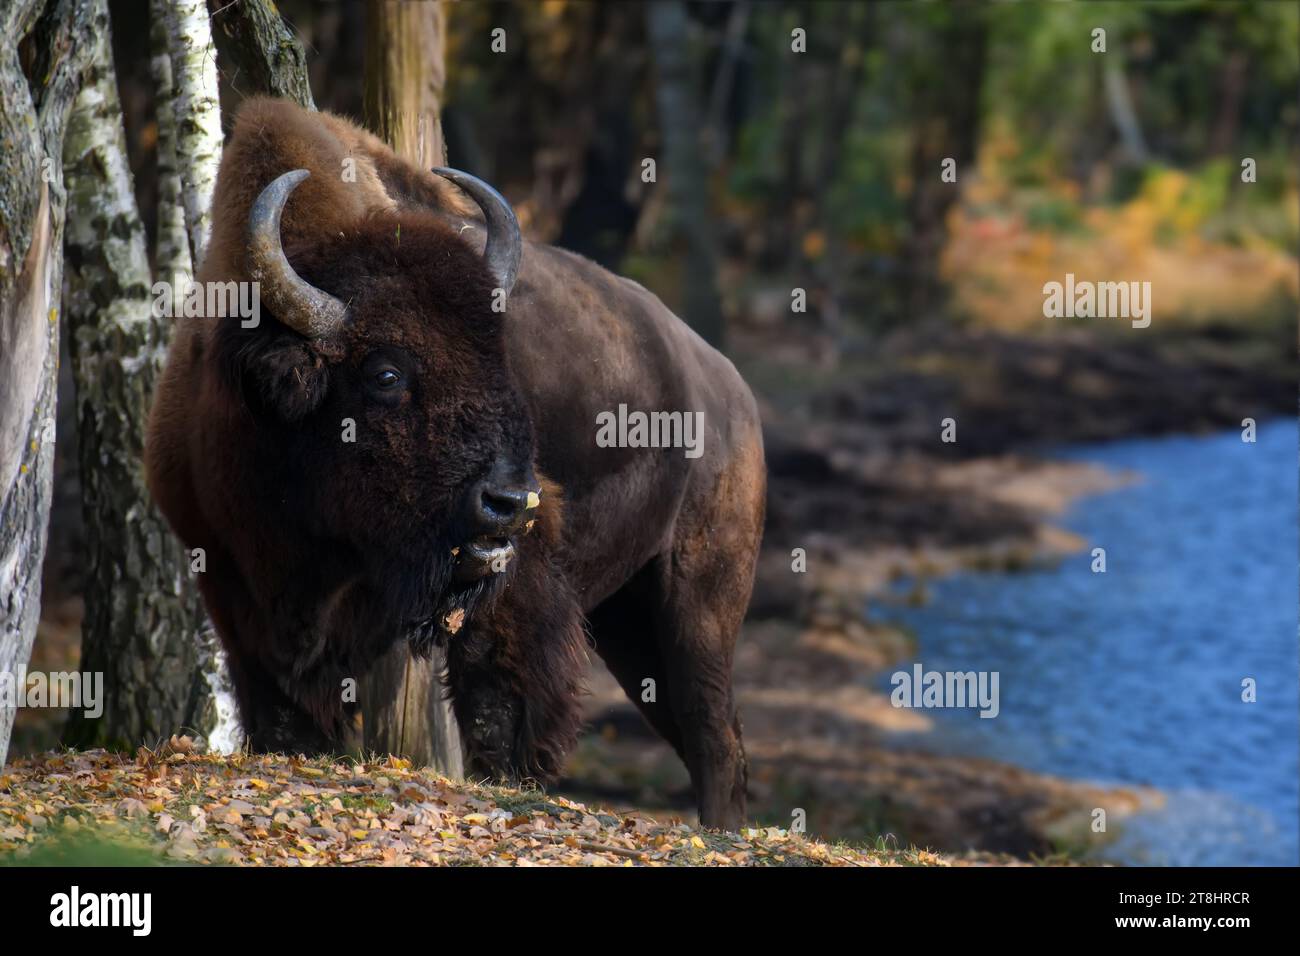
(386, 376)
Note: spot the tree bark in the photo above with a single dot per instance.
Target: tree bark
(402, 702)
(688, 184)
(144, 627)
(198, 115)
(404, 708)
(405, 76)
(262, 50)
(34, 105)
(171, 249)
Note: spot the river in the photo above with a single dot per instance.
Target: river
(1136, 675)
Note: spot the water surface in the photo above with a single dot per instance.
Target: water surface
(1135, 675)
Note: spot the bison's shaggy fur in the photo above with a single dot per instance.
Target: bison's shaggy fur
(322, 553)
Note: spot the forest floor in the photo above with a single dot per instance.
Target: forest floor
(859, 479)
(176, 806)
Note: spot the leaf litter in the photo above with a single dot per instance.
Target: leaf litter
(176, 805)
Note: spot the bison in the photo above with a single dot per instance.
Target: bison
(404, 448)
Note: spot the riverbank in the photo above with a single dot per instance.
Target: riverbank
(862, 482)
(1156, 671)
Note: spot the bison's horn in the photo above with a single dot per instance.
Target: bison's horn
(504, 244)
(296, 303)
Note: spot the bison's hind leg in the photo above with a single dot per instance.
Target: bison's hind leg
(679, 677)
(696, 632)
(669, 637)
(705, 584)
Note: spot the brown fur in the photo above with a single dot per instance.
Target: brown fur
(322, 554)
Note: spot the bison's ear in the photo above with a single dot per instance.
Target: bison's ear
(286, 376)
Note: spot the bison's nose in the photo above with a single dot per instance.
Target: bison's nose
(503, 510)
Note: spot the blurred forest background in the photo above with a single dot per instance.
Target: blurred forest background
(820, 171)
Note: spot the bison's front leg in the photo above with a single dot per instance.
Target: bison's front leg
(516, 677)
(489, 713)
(272, 721)
(313, 719)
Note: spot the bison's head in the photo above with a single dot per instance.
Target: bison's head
(382, 398)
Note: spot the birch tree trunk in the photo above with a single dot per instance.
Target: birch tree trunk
(220, 721)
(1122, 112)
(198, 115)
(144, 627)
(171, 250)
(34, 105)
(404, 707)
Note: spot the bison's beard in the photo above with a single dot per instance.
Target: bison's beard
(428, 605)
(455, 609)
